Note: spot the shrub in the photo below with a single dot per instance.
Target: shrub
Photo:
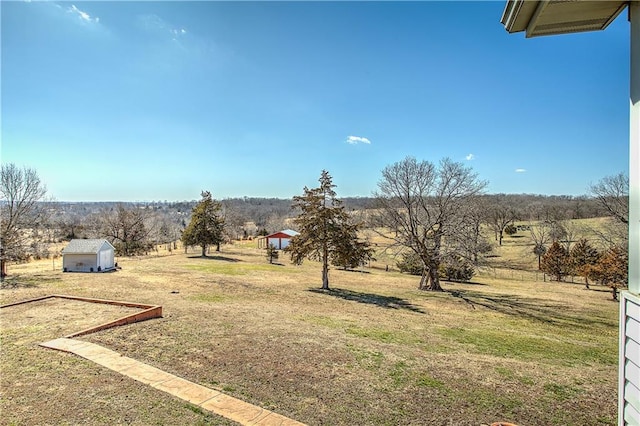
(272, 253)
(410, 263)
(510, 229)
(456, 269)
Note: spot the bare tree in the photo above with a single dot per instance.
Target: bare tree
(276, 223)
(540, 236)
(21, 191)
(499, 216)
(471, 241)
(613, 194)
(571, 231)
(127, 231)
(234, 221)
(423, 206)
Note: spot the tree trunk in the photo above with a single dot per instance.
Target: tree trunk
(325, 269)
(433, 283)
(500, 240)
(204, 250)
(423, 280)
(218, 247)
(3, 263)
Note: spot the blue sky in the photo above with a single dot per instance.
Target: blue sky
(160, 100)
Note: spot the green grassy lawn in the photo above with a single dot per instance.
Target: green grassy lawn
(372, 351)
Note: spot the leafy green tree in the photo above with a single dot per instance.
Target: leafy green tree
(324, 229)
(272, 253)
(583, 258)
(206, 226)
(555, 261)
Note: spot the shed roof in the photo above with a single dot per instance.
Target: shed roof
(287, 232)
(91, 246)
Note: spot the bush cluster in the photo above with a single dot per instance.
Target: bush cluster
(451, 269)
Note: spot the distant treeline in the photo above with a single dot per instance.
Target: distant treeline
(263, 211)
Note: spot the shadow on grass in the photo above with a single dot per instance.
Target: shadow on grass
(223, 258)
(353, 270)
(388, 302)
(529, 308)
(19, 282)
(474, 283)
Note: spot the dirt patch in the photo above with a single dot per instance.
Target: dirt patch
(56, 317)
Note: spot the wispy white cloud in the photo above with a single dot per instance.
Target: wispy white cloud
(353, 140)
(154, 23)
(470, 157)
(84, 16)
(521, 170)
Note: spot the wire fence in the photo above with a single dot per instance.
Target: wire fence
(520, 275)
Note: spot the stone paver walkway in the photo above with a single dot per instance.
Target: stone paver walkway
(208, 399)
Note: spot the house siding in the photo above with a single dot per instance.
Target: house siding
(629, 408)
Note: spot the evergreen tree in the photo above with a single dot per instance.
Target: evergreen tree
(411, 263)
(272, 253)
(583, 258)
(455, 268)
(326, 233)
(510, 230)
(556, 261)
(612, 269)
(206, 226)
(350, 252)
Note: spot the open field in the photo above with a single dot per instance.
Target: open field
(373, 351)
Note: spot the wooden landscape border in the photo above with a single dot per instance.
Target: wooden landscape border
(148, 312)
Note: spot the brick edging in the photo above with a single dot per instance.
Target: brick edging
(149, 311)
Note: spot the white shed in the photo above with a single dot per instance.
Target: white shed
(94, 255)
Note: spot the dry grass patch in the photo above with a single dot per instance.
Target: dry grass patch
(374, 350)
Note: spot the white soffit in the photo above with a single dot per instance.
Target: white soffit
(550, 17)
